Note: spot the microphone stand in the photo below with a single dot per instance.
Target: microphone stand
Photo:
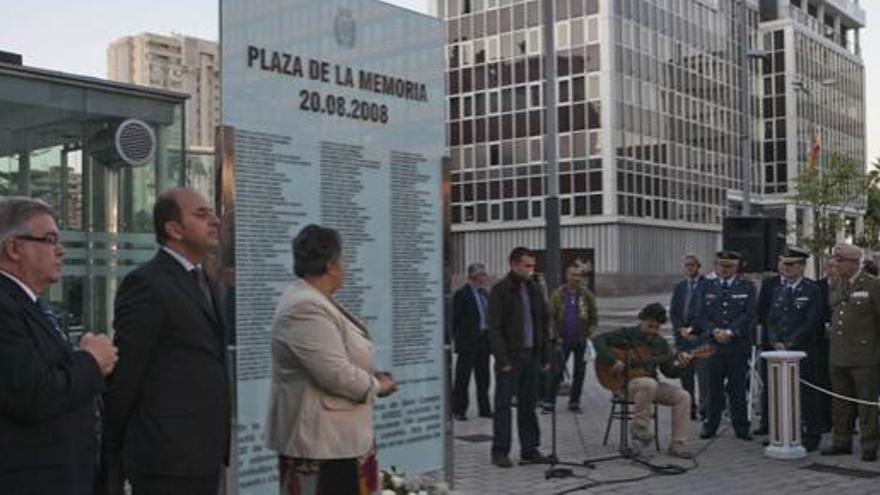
(624, 451)
(553, 460)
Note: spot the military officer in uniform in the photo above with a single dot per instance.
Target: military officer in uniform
(854, 358)
(823, 344)
(794, 322)
(726, 314)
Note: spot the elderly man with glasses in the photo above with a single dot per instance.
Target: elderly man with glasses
(49, 392)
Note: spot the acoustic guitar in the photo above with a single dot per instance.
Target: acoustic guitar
(641, 365)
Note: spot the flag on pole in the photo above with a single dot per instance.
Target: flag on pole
(815, 150)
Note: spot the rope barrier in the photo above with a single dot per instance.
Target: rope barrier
(839, 396)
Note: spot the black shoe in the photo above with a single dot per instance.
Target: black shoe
(501, 460)
(837, 450)
(533, 457)
(706, 433)
(487, 414)
(765, 442)
(744, 435)
(869, 455)
(459, 417)
(546, 409)
(811, 446)
(761, 431)
(575, 408)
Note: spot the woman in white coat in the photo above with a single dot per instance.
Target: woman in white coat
(324, 382)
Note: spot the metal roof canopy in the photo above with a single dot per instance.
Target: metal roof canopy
(41, 108)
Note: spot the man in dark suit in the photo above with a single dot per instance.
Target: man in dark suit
(725, 316)
(683, 317)
(470, 329)
(49, 408)
(823, 376)
(765, 304)
(168, 406)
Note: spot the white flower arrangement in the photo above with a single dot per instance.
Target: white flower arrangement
(395, 482)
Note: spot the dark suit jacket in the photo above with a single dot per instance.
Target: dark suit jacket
(765, 297)
(167, 403)
(677, 316)
(48, 393)
(466, 321)
(824, 294)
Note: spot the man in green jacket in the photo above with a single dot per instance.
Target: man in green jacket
(855, 353)
(573, 319)
(643, 387)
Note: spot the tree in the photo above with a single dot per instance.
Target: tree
(871, 238)
(829, 192)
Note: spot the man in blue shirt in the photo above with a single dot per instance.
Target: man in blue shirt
(794, 322)
(518, 337)
(725, 318)
(470, 332)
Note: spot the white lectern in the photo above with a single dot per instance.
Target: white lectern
(784, 397)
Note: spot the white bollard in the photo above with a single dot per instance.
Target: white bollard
(784, 398)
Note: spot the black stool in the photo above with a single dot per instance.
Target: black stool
(619, 413)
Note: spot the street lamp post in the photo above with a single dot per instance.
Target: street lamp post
(747, 56)
(552, 234)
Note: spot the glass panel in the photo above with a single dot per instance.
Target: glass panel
(57, 144)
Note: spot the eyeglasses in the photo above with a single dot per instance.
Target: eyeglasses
(50, 239)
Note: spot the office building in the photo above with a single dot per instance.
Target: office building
(649, 119)
(178, 63)
(812, 92)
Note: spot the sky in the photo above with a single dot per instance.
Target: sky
(72, 36)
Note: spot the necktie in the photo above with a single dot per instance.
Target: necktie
(47, 312)
(199, 275)
(481, 298)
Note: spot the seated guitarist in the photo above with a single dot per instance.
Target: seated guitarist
(646, 350)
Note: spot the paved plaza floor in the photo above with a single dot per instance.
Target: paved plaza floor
(725, 465)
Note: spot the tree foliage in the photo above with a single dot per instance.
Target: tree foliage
(829, 192)
(871, 238)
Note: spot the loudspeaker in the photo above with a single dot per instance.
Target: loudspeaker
(760, 241)
(775, 240)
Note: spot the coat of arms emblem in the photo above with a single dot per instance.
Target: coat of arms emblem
(345, 28)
